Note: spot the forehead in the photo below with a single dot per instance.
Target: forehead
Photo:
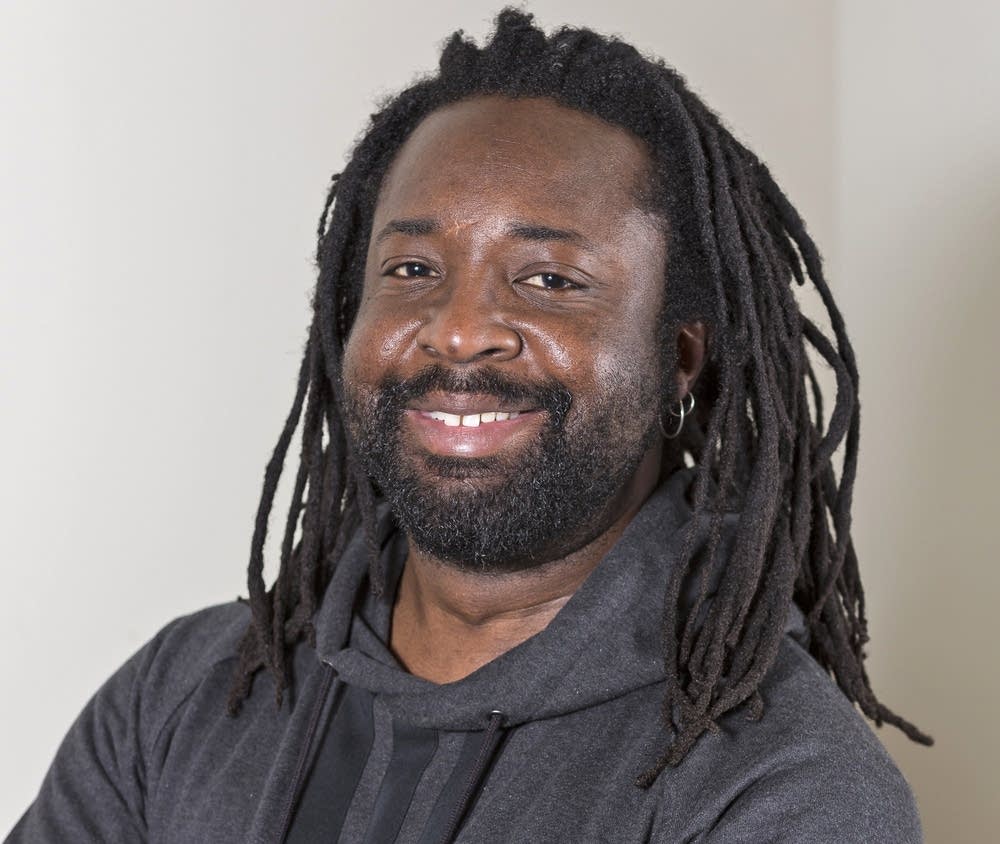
(532, 154)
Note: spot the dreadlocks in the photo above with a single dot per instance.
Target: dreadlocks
(757, 439)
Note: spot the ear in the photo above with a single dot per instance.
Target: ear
(692, 343)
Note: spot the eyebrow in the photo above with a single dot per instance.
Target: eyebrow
(415, 228)
(418, 226)
(527, 231)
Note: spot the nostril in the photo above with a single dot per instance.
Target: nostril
(467, 336)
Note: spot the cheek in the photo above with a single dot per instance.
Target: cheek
(610, 349)
(631, 372)
(378, 342)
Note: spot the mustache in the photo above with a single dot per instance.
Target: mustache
(551, 395)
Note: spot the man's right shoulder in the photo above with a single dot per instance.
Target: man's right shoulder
(96, 787)
(172, 664)
(202, 638)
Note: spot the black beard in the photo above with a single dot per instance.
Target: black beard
(498, 514)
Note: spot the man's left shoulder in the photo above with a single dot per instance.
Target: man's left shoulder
(809, 770)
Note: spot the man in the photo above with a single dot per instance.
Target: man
(567, 556)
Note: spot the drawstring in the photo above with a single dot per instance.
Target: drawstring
(491, 738)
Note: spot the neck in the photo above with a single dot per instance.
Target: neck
(447, 622)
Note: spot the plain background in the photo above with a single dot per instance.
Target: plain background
(163, 165)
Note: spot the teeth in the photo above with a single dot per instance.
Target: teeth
(452, 420)
(473, 420)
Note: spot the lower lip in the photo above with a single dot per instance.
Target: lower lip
(481, 441)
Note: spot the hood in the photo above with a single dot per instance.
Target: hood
(603, 643)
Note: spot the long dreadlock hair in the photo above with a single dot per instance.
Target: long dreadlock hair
(757, 439)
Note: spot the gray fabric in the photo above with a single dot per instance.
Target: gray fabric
(154, 758)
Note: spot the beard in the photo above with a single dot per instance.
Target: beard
(505, 513)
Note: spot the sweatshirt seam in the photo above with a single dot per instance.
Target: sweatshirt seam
(161, 731)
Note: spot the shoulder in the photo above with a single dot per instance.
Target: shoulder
(824, 753)
(185, 651)
(96, 787)
(156, 681)
(810, 770)
(192, 644)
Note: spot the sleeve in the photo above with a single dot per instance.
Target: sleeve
(810, 771)
(830, 801)
(94, 788)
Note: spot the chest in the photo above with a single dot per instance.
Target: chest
(366, 777)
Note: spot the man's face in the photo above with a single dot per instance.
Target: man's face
(503, 374)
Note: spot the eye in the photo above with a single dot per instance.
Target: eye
(411, 269)
(549, 281)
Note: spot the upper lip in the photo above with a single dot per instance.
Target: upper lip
(465, 404)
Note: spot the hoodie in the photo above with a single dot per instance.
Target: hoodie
(543, 744)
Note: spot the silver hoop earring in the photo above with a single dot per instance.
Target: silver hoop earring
(678, 414)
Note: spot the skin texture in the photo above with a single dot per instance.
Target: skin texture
(453, 278)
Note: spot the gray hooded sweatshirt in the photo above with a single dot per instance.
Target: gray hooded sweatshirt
(543, 744)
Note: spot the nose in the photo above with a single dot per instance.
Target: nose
(464, 324)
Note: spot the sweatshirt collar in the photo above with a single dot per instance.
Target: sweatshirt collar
(603, 643)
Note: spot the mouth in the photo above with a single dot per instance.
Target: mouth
(469, 425)
(471, 420)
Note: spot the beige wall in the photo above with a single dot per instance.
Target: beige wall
(918, 214)
(162, 166)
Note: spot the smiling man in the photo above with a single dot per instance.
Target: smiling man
(567, 558)
(503, 375)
